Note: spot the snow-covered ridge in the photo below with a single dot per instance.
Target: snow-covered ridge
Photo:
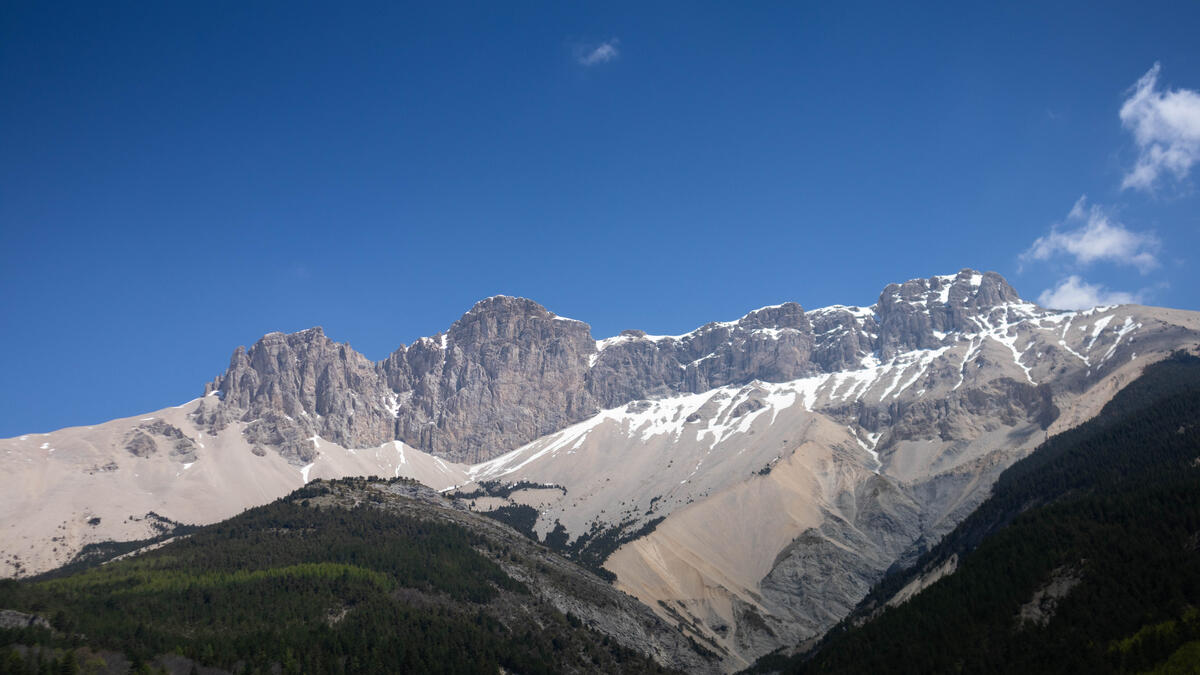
(435, 342)
(642, 420)
(1022, 330)
(937, 290)
(852, 310)
(677, 416)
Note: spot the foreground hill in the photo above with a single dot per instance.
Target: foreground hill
(1086, 558)
(348, 576)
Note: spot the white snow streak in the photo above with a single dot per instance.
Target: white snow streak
(1097, 327)
(1128, 327)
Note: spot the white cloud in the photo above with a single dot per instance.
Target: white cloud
(1075, 293)
(1097, 237)
(1166, 126)
(601, 53)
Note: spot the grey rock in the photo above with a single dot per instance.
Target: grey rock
(909, 313)
(1042, 607)
(298, 386)
(773, 344)
(747, 406)
(510, 371)
(842, 338)
(818, 578)
(14, 620)
(507, 372)
(140, 444)
(141, 441)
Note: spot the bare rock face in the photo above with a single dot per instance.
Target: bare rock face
(290, 388)
(276, 430)
(773, 344)
(633, 367)
(913, 314)
(843, 336)
(506, 373)
(510, 371)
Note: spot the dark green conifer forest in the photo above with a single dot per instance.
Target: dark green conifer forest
(297, 588)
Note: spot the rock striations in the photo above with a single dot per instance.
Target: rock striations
(505, 373)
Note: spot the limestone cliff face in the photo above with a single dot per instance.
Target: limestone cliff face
(291, 388)
(914, 314)
(510, 371)
(506, 373)
(773, 344)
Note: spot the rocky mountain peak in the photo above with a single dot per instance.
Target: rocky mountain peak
(786, 315)
(503, 317)
(507, 305)
(970, 287)
(916, 313)
(316, 333)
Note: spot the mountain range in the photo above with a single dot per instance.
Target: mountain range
(748, 481)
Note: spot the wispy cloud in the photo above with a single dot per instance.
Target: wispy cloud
(1166, 126)
(1075, 293)
(1090, 234)
(602, 53)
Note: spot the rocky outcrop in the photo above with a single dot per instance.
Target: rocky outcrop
(14, 620)
(843, 336)
(916, 314)
(1045, 601)
(289, 388)
(140, 441)
(140, 444)
(505, 373)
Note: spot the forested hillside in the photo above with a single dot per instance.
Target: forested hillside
(1086, 558)
(328, 580)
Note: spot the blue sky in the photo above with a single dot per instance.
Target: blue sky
(177, 179)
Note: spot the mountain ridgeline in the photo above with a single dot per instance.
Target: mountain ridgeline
(510, 371)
